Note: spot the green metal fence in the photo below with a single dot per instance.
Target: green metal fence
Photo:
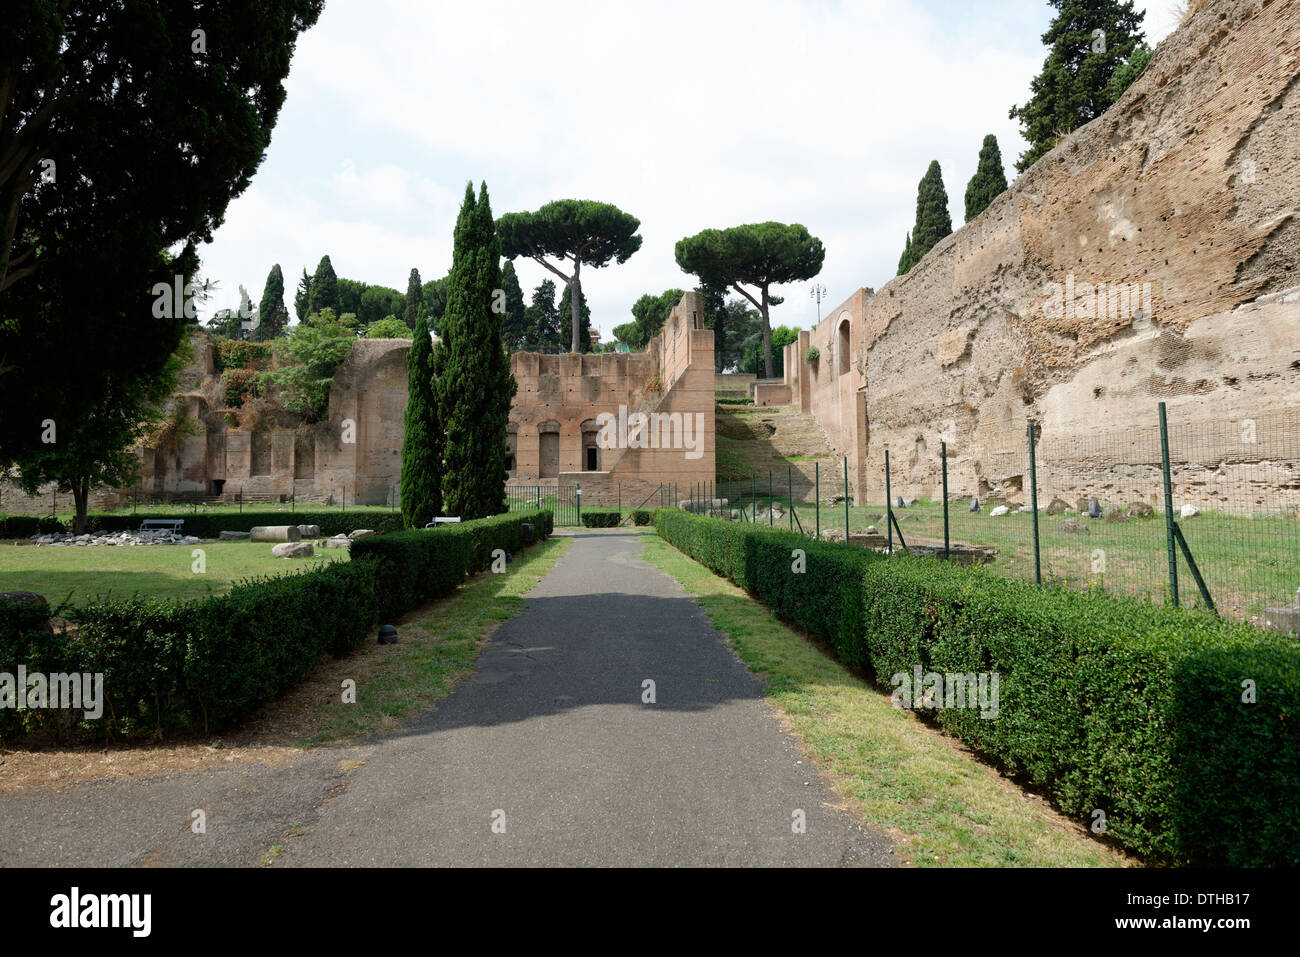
(563, 500)
(1199, 514)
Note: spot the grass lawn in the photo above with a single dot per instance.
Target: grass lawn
(1248, 562)
(155, 571)
(945, 807)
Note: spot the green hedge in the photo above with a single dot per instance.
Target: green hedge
(642, 516)
(422, 564)
(1105, 702)
(204, 664)
(25, 526)
(601, 517)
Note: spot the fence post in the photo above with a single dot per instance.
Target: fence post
(620, 501)
(789, 491)
(577, 497)
(753, 495)
(1033, 505)
(943, 456)
(889, 510)
(241, 499)
(846, 500)
(1169, 506)
(770, 520)
(817, 493)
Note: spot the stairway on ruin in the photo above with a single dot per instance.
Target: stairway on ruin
(752, 441)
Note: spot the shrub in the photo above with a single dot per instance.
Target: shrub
(812, 355)
(642, 516)
(237, 354)
(25, 526)
(422, 564)
(205, 664)
(1106, 702)
(601, 517)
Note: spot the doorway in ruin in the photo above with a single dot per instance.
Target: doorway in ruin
(548, 450)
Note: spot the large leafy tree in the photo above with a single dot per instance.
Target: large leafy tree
(1096, 48)
(422, 442)
(414, 303)
(307, 360)
(325, 287)
(435, 301)
(514, 320)
(474, 384)
(122, 136)
(758, 255)
(273, 317)
(933, 221)
(575, 230)
(648, 316)
(782, 336)
(97, 447)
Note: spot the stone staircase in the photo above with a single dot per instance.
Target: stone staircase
(780, 439)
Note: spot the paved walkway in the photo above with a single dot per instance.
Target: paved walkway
(547, 756)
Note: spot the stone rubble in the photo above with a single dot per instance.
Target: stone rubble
(152, 537)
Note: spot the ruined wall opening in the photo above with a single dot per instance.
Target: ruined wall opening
(548, 450)
(842, 347)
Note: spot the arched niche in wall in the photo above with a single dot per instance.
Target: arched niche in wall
(842, 344)
(590, 450)
(548, 449)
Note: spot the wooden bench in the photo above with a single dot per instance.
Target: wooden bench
(154, 524)
(442, 521)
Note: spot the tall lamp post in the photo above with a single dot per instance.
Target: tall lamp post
(818, 292)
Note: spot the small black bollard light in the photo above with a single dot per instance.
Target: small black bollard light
(387, 635)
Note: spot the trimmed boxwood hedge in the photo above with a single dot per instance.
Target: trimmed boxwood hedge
(206, 663)
(25, 526)
(1106, 702)
(601, 517)
(422, 564)
(642, 516)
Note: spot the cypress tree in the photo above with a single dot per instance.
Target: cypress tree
(584, 316)
(542, 320)
(514, 321)
(324, 287)
(272, 314)
(905, 260)
(932, 219)
(302, 298)
(414, 299)
(422, 443)
(473, 381)
(989, 181)
(1096, 49)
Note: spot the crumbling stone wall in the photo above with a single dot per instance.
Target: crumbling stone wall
(1154, 255)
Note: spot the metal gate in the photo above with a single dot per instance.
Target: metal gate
(564, 501)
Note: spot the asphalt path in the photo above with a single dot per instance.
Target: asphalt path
(608, 724)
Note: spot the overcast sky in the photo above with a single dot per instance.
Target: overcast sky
(687, 115)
